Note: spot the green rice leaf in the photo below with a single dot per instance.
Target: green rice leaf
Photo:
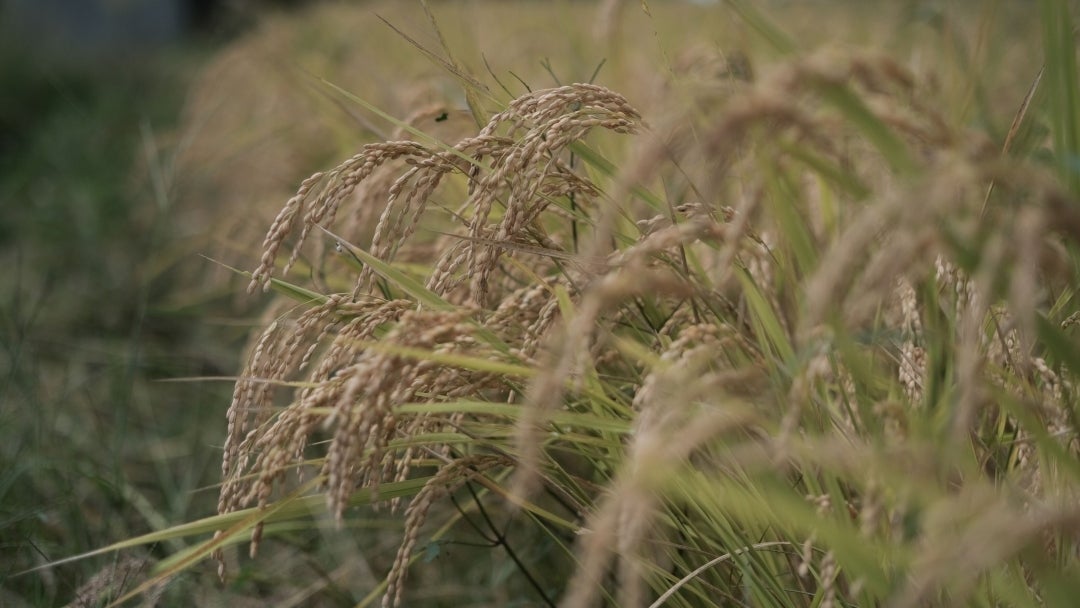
(408, 284)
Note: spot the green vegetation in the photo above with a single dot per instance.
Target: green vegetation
(92, 447)
(703, 307)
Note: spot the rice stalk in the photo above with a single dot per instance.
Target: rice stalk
(762, 281)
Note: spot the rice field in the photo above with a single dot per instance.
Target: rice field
(633, 304)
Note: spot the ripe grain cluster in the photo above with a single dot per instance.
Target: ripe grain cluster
(799, 330)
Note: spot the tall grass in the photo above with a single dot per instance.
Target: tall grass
(798, 335)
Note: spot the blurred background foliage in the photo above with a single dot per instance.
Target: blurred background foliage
(93, 446)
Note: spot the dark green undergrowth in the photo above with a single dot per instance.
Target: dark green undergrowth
(92, 445)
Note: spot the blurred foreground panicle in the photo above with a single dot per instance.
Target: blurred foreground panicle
(804, 362)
